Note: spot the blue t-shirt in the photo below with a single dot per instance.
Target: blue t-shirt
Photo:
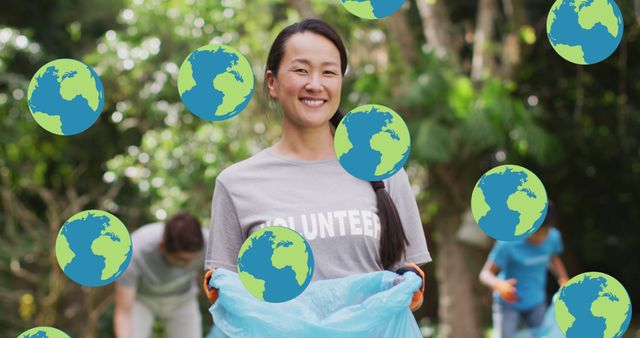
(527, 263)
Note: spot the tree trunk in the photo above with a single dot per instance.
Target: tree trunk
(401, 40)
(511, 46)
(482, 62)
(437, 28)
(457, 297)
(456, 267)
(401, 34)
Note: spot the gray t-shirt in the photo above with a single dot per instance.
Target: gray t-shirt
(148, 271)
(334, 211)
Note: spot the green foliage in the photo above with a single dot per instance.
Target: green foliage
(577, 128)
(458, 120)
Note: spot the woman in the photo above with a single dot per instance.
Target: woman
(352, 226)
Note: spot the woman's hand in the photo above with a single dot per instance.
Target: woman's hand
(211, 292)
(418, 296)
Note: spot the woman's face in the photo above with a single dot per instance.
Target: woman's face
(309, 81)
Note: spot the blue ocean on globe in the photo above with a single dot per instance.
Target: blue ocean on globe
(204, 98)
(381, 8)
(579, 299)
(75, 115)
(515, 201)
(39, 334)
(361, 161)
(280, 284)
(585, 32)
(87, 267)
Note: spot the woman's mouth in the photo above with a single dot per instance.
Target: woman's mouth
(312, 103)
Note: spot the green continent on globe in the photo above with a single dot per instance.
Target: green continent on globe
(530, 209)
(82, 83)
(185, 77)
(63, 251)
(341, 144)
(563, 316)
(114, 245)
(571, 53)
(295, 255)
(614, 312)
(52, 123)
(64, 254)
(234, 92)
(392, 142)
(253, 285)
(599, 11)
(478, 203)
(363, 9)
(590, 296)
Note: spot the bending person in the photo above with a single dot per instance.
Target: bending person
(160, 280)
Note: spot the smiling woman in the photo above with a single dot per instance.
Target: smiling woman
(299, 178)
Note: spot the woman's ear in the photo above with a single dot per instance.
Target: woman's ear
(270, 78)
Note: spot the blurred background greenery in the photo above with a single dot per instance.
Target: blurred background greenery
(476, 81)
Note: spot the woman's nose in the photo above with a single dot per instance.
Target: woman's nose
(315, 82)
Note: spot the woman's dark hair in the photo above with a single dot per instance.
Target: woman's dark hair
(393, 240)
(182, 232)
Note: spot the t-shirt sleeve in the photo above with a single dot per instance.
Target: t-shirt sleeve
(558, 247)
(405, 201)
(130, 276)
(225, 236)
(499, 255)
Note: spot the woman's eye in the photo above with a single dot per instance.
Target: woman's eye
(330, 72)
(300, 70)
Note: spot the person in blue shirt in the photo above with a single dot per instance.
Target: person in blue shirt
(517, 273)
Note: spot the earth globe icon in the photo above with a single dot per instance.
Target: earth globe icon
(65, 97)
(593, 304)
(275, 264)
(585, 32)
(509, 203)
(93, 248)
(215, 82)
(372, 9)
(43, 332)
(372, 142)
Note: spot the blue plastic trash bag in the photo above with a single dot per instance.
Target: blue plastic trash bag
(549, 327)
(365, 305)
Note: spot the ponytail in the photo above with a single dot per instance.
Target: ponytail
(393, 240)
